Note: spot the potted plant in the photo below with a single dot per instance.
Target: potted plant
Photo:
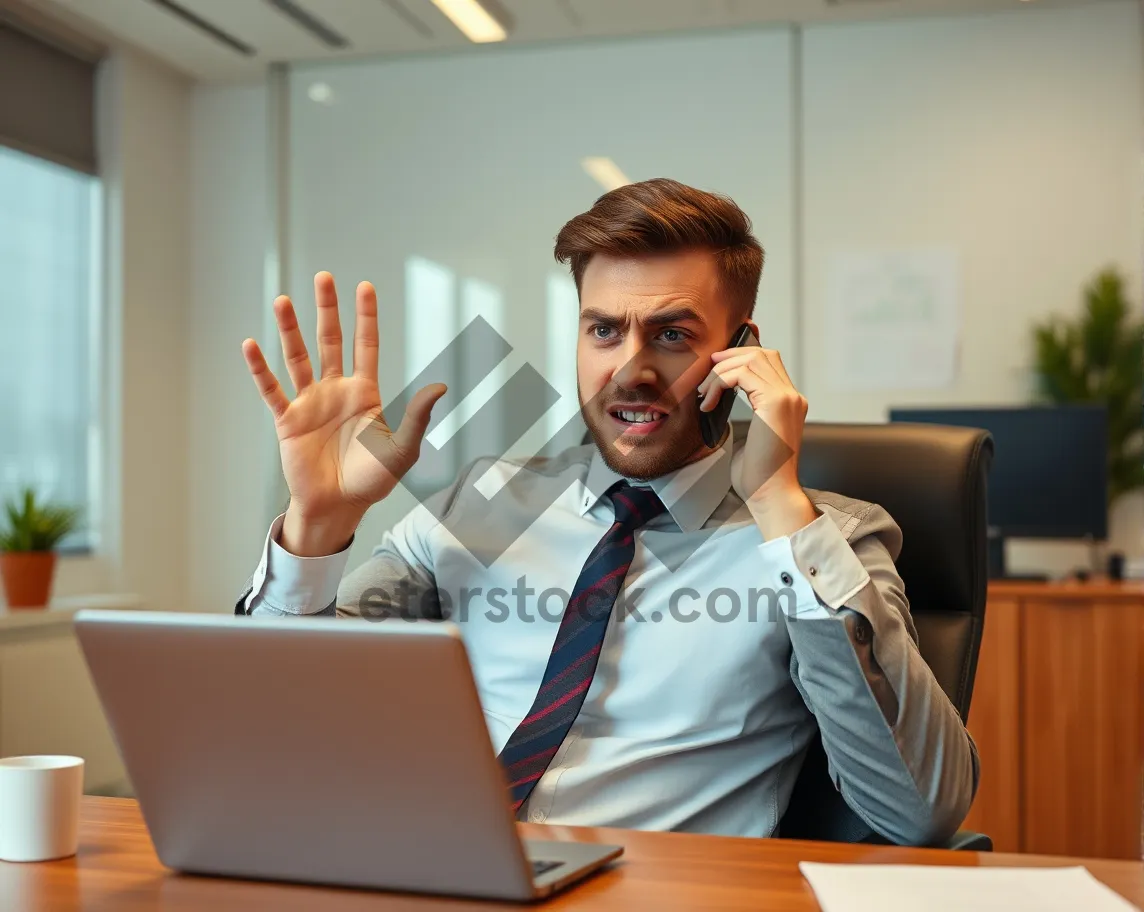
(27, 558)
(1098, 357)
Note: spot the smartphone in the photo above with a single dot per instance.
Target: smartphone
(712, 424)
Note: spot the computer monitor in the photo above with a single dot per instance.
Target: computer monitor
(1049, 477)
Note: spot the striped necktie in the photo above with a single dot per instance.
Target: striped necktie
(576, 649)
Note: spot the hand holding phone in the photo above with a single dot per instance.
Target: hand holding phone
(713, 423)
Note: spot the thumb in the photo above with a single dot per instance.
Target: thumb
(407, 438)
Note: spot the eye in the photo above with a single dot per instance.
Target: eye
(673, 336)
(600, 331)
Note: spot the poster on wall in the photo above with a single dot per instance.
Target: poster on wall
(892, 319)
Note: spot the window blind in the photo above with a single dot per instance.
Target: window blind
(47, 99)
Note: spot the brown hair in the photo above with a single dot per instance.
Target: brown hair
(664, 216)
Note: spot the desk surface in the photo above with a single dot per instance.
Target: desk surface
(116, 868)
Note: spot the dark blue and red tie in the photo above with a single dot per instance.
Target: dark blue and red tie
(576, 649)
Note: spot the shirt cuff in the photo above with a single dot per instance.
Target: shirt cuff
(818, 565)
(297, 585)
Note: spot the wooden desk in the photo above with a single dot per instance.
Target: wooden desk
(1058, 717)
(116, 869)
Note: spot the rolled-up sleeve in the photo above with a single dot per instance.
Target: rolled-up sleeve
(897, 747)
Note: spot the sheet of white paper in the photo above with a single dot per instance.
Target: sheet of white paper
(910, 888)
(892, 320)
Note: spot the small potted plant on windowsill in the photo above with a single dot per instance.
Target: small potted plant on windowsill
(27, 558)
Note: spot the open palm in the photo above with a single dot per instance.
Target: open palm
(339, 457)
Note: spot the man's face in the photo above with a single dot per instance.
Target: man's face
(648, 327)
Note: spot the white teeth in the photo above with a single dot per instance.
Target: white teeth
(639, 417)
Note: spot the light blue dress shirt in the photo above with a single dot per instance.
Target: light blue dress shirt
(724, 655)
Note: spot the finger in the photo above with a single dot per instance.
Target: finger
(715, 384)
(714, 387)
(264, 379)
(756, 359)
(766, 369)
(741, 377)
(776, 360)
(740, 358)
(329, 328)
(365, 333)
(735, 352)
(735, 358)
(407, 438)
(294, 353)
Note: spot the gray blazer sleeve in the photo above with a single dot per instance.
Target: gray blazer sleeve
(897, 748)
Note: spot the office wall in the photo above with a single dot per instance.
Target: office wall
(1013, 139)
(144, 149)
(189, 451)
(230, 433)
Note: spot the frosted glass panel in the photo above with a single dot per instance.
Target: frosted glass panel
(563, 318)
(473, 162)
(430, 301)
(479, 299)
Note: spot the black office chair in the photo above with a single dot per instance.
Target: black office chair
(932, 481)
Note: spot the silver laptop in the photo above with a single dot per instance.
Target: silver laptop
(341, 752)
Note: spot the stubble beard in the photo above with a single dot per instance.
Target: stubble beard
(671, 447)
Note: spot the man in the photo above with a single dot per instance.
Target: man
(685, 616)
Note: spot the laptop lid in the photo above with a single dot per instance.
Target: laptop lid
(305, 749)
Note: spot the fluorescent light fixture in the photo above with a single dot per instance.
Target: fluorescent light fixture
(476, 21)
(321, 93)
(604, 172)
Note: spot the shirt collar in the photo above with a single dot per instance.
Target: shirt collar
(690, 493)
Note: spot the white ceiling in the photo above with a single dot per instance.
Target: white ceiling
(398, 27)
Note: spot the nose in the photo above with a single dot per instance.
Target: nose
(638, 367)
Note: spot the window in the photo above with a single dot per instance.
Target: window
(49, 307)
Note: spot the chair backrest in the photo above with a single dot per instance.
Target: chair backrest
(932, 481)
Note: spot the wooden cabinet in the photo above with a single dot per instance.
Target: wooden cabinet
(1058, 717)
(993, 716)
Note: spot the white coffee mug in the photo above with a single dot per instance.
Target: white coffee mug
(39, 807)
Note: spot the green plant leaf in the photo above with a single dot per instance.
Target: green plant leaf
(1105, 310)
(1099, 358)
(36, 527)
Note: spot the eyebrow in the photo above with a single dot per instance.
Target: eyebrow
(660, 318)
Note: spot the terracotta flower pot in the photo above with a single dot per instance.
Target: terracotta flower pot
(27, 577)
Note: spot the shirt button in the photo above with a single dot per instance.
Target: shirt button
(536, 816)
(786, 578)
(814, 571)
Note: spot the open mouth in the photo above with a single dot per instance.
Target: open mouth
(637, 419)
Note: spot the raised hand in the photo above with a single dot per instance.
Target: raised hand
(332, 475)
